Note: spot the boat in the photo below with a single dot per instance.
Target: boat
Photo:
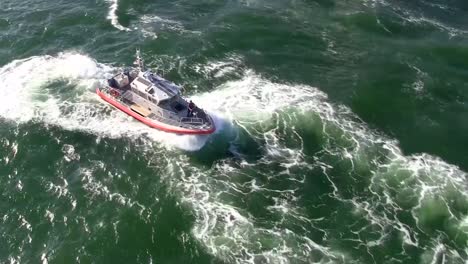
(155, 101)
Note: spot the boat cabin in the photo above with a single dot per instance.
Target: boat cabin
(146, 89)
(155, 90)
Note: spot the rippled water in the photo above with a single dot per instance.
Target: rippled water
(341, 133)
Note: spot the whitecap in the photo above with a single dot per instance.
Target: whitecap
(112, 15)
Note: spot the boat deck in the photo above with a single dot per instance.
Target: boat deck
(182, 120)
(141, 110)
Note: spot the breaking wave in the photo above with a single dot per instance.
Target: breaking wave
(112, 15)
(401, 198)
(420, 16)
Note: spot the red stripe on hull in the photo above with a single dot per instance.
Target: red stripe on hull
(153, 123)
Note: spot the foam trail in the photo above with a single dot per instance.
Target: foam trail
(25, 96)
(112, 15)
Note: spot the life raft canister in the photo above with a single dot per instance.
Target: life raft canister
(114, 93)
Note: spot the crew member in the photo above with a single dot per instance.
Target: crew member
(191, 107)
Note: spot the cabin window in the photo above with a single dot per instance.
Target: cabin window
(178, 107)
(142, 94)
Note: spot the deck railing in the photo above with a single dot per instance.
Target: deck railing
(192, 120)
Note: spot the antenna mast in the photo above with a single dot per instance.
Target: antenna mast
(139, 61)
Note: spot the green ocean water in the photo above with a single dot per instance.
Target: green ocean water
(342, 132)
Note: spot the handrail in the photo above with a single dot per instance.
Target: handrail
(191, 120)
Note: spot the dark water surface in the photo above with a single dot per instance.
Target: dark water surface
(343, 133)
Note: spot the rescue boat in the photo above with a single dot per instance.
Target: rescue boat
(155, 101)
